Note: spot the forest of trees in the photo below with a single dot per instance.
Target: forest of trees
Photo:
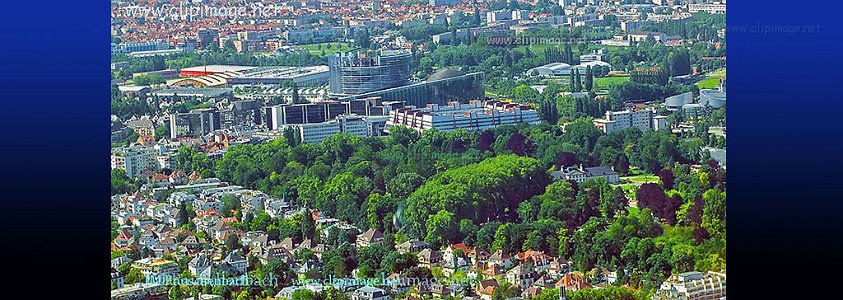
(492, 189)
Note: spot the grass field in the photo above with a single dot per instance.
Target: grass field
(630, 184)
(336, 47)
(539, 48)
(712, 80)
(606, 82)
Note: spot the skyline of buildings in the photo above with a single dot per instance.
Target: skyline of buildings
(279, 87)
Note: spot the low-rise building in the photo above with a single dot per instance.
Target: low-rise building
(370, 293)
(156, 267)
(580, 174)
(474, 115)
(693, 286)
(370, 237)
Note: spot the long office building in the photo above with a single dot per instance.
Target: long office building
(354, 125)
(474, 115)
(301, 76)
(643, 119)
(129, 47)
(312, 113)
(357, 73)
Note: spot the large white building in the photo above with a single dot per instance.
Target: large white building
(134, 160)
(353, 125)
(581, 174)
(693, 286)
(643, 119)
(707, 7)
(563, 69)
(474, 115)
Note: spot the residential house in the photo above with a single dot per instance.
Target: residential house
(370, 237)
(559, 267)
(531, 292)
(192, 242)
(521, 276)
(486, 288)
(429, 258)
(254, 239)
(370, 293)
(479, 255)
(218, 231)
(119, 261)
(535, 260)
(276, 208)
(199, 263)
(451, 250)
(413, 245)
(573, 281)
(288, 243)
(310, 269)
(457, 263)
(122, 239)
(148, 238)
(277, 251)
(493, 271)
(117, 278)
(582, 174)
(502, 259)
(236, 260)
(545, 281)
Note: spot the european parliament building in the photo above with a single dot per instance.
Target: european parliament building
(440, 88)
(357, 73)
(386, 76)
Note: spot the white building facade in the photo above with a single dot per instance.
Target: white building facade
(475, 115)
(643, 119)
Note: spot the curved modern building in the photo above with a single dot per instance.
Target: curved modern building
(563, 69)
(440, 88)
(551, 69)
(692, 108)
(712, 98)
(676, 102)
(358, 73)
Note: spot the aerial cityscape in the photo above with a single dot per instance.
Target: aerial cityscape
(412, 149)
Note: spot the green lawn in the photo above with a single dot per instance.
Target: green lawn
(606, 82)
(539, 48)
(643, 178)
(336, 47)
(712, 80)
(630, 184)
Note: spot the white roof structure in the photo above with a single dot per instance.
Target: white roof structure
(217, 68)
(560, 69)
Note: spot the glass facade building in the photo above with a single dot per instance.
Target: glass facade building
(355, 73)
(440, 88)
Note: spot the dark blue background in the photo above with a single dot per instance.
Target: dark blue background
(784, 117)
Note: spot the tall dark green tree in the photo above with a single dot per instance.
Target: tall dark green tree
(589, 79)
(577, 81)
(296, 97)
